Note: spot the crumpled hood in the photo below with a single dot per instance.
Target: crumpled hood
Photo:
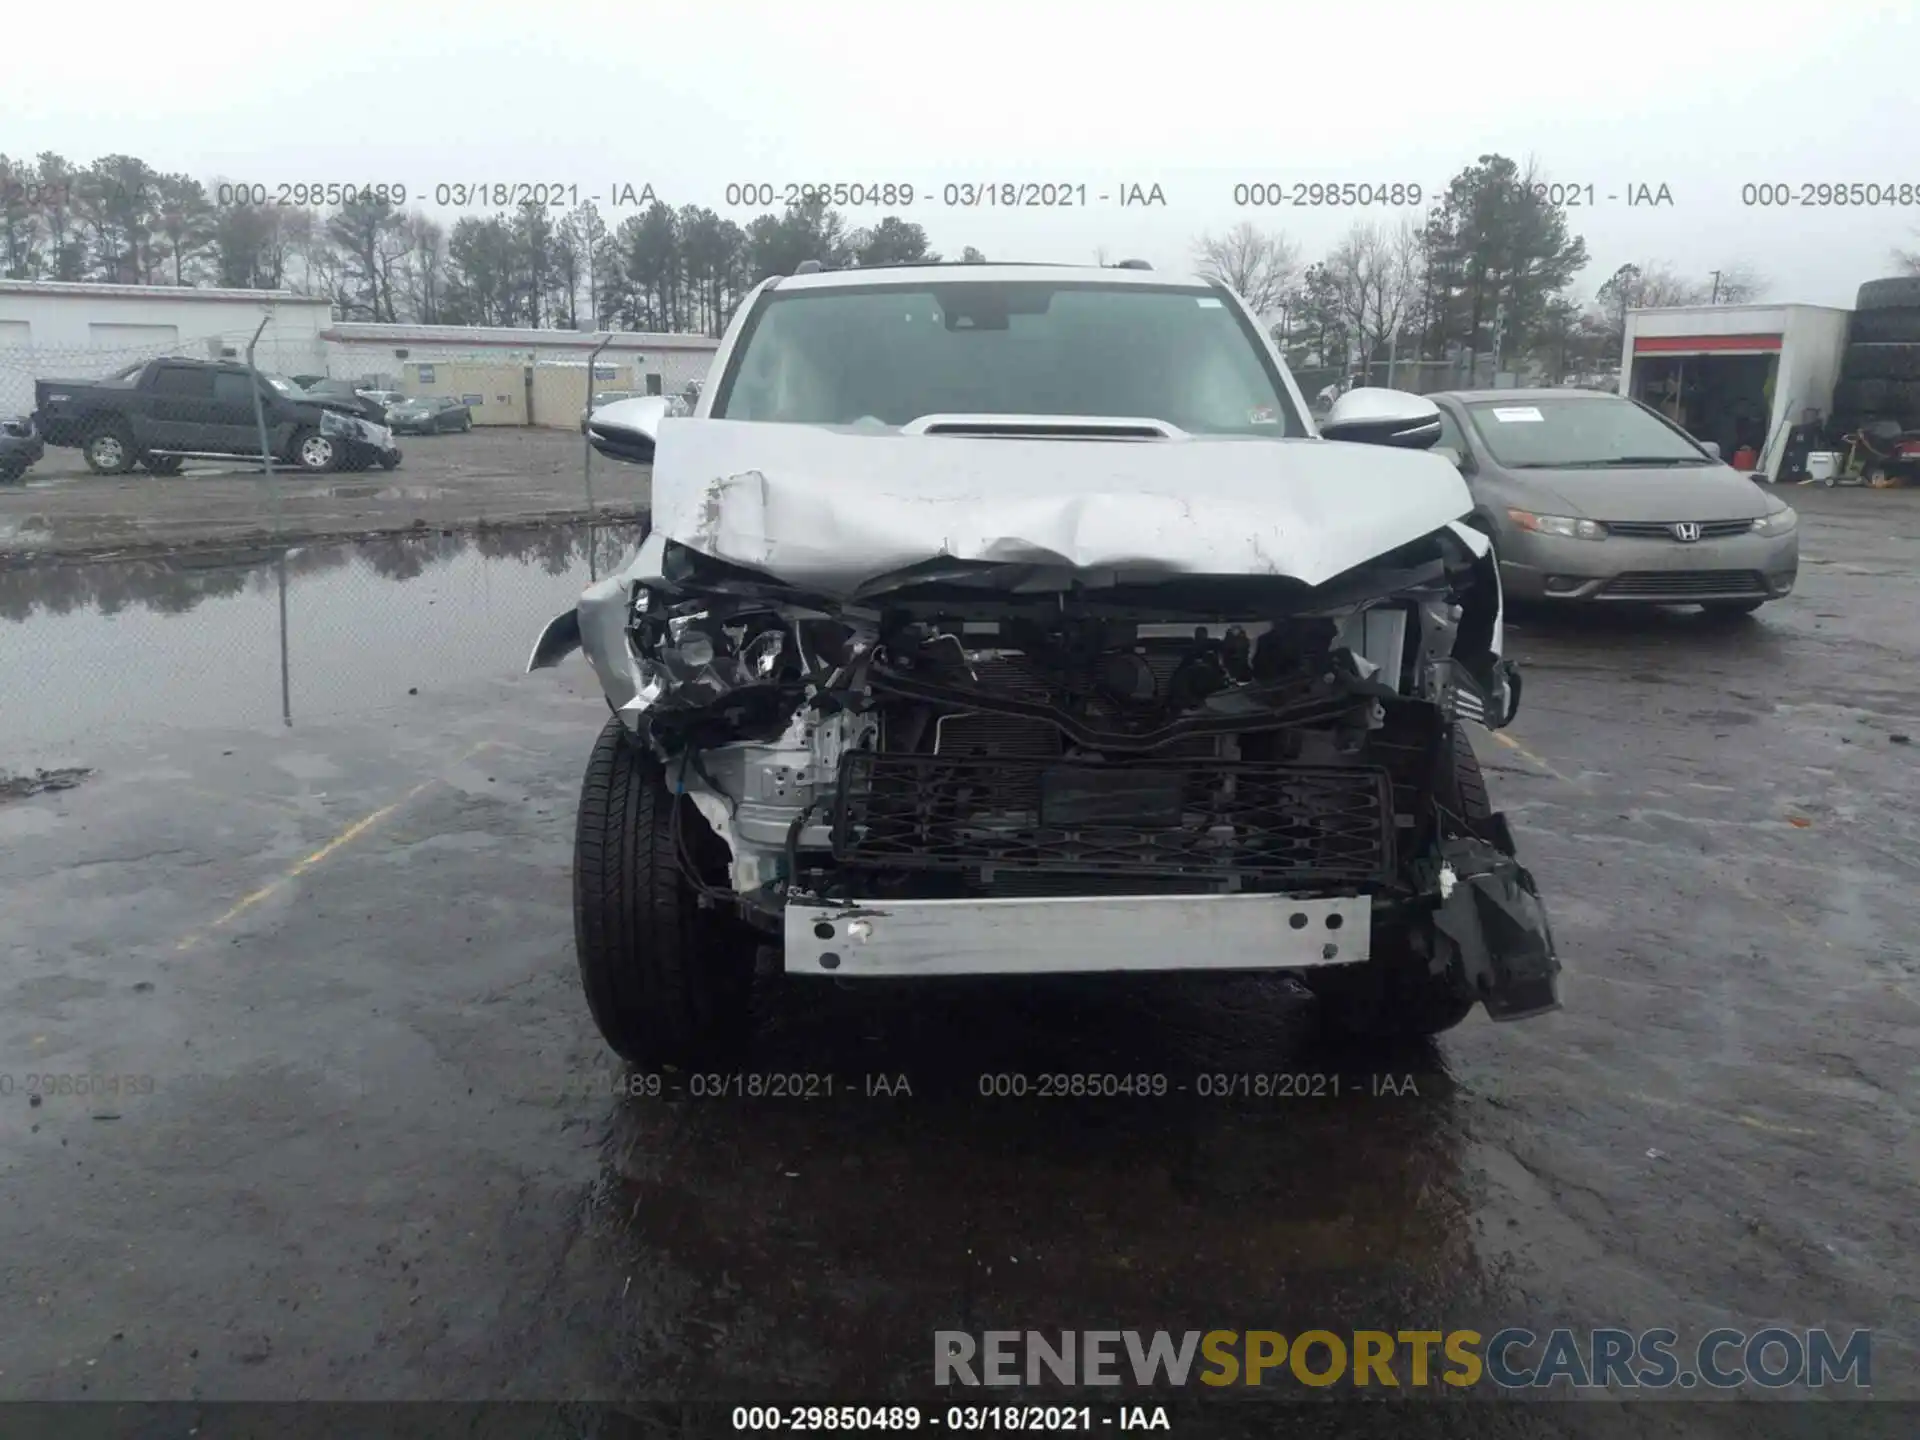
(831, 511)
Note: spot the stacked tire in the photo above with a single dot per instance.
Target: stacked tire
(1880, 372)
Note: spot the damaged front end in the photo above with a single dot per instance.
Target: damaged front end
(962, 766)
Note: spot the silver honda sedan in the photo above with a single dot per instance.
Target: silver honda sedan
(1592, 497)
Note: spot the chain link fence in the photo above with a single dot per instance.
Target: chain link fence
(193, 589)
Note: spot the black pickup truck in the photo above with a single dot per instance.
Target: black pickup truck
(162, 412)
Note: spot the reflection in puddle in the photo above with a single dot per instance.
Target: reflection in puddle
(93, 645)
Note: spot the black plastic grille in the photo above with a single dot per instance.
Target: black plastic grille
(1200, 819)
(1686, 584)
(1663, 529)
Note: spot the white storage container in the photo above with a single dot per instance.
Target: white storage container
(1822, 465)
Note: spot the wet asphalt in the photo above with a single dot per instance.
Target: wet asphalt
(366, 1144)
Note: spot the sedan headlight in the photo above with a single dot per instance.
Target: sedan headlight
(1783, 521)
(1567, 527)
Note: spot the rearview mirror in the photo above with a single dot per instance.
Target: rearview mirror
(1373, 416)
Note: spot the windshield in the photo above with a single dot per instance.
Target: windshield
(1597, 434)
(892, 354)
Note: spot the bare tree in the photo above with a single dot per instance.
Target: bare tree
(1738, 284)
(1261, 267)
(424, 269)
(1375, 278)
(1908, 260)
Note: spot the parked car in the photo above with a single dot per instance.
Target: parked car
(1041, 634)
(1595, 498)
(346, 393)
(21, 446)
(385, 399)
(162, 412)
(430, 415)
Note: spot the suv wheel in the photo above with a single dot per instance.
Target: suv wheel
(668, 980)
(109, 449)
(1395, 995)
(314, 452)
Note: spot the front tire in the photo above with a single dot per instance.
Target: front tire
(667, 980)
(390, 460)
(1395, 995)
(313, 452)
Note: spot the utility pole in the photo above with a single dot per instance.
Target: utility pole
(1716, 289)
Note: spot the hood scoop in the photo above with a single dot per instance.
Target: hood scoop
(1045, 427)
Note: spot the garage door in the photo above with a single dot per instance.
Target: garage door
(1705, 344)
(134, 337)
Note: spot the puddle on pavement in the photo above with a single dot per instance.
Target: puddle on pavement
(186, 641)
(386, 492)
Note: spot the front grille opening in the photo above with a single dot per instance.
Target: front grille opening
(1687, 584)
(1199, 820)
(1663, 529)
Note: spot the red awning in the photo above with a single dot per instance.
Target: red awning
(1703, 344)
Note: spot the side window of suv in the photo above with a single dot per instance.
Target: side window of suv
(231, 389)
(188, 381)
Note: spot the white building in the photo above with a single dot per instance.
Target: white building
(57, 329)
(1739, 375)
(516, 369)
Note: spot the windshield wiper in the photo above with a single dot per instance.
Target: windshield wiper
(1657, 460)
(1618, 462)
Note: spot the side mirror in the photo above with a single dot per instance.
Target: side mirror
(627, 429)
(1371, 416)
(1712, 447)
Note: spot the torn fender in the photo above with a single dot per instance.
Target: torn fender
(559, 640)
(1491, 914)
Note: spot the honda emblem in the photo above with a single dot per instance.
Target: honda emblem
(1687, 530)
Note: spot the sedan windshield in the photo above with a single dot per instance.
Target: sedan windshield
(890, 354)
(1593, 434)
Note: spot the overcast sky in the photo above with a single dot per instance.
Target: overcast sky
(1194, 97)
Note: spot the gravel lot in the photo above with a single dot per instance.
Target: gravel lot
(485, 478)
(380, 1156)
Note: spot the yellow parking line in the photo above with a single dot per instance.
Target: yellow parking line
(344, 838)
(1524, 753)
(1748, 1120)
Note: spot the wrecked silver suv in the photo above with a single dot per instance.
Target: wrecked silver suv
(1014, 619)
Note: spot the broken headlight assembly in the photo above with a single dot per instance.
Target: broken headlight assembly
(694, 652)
